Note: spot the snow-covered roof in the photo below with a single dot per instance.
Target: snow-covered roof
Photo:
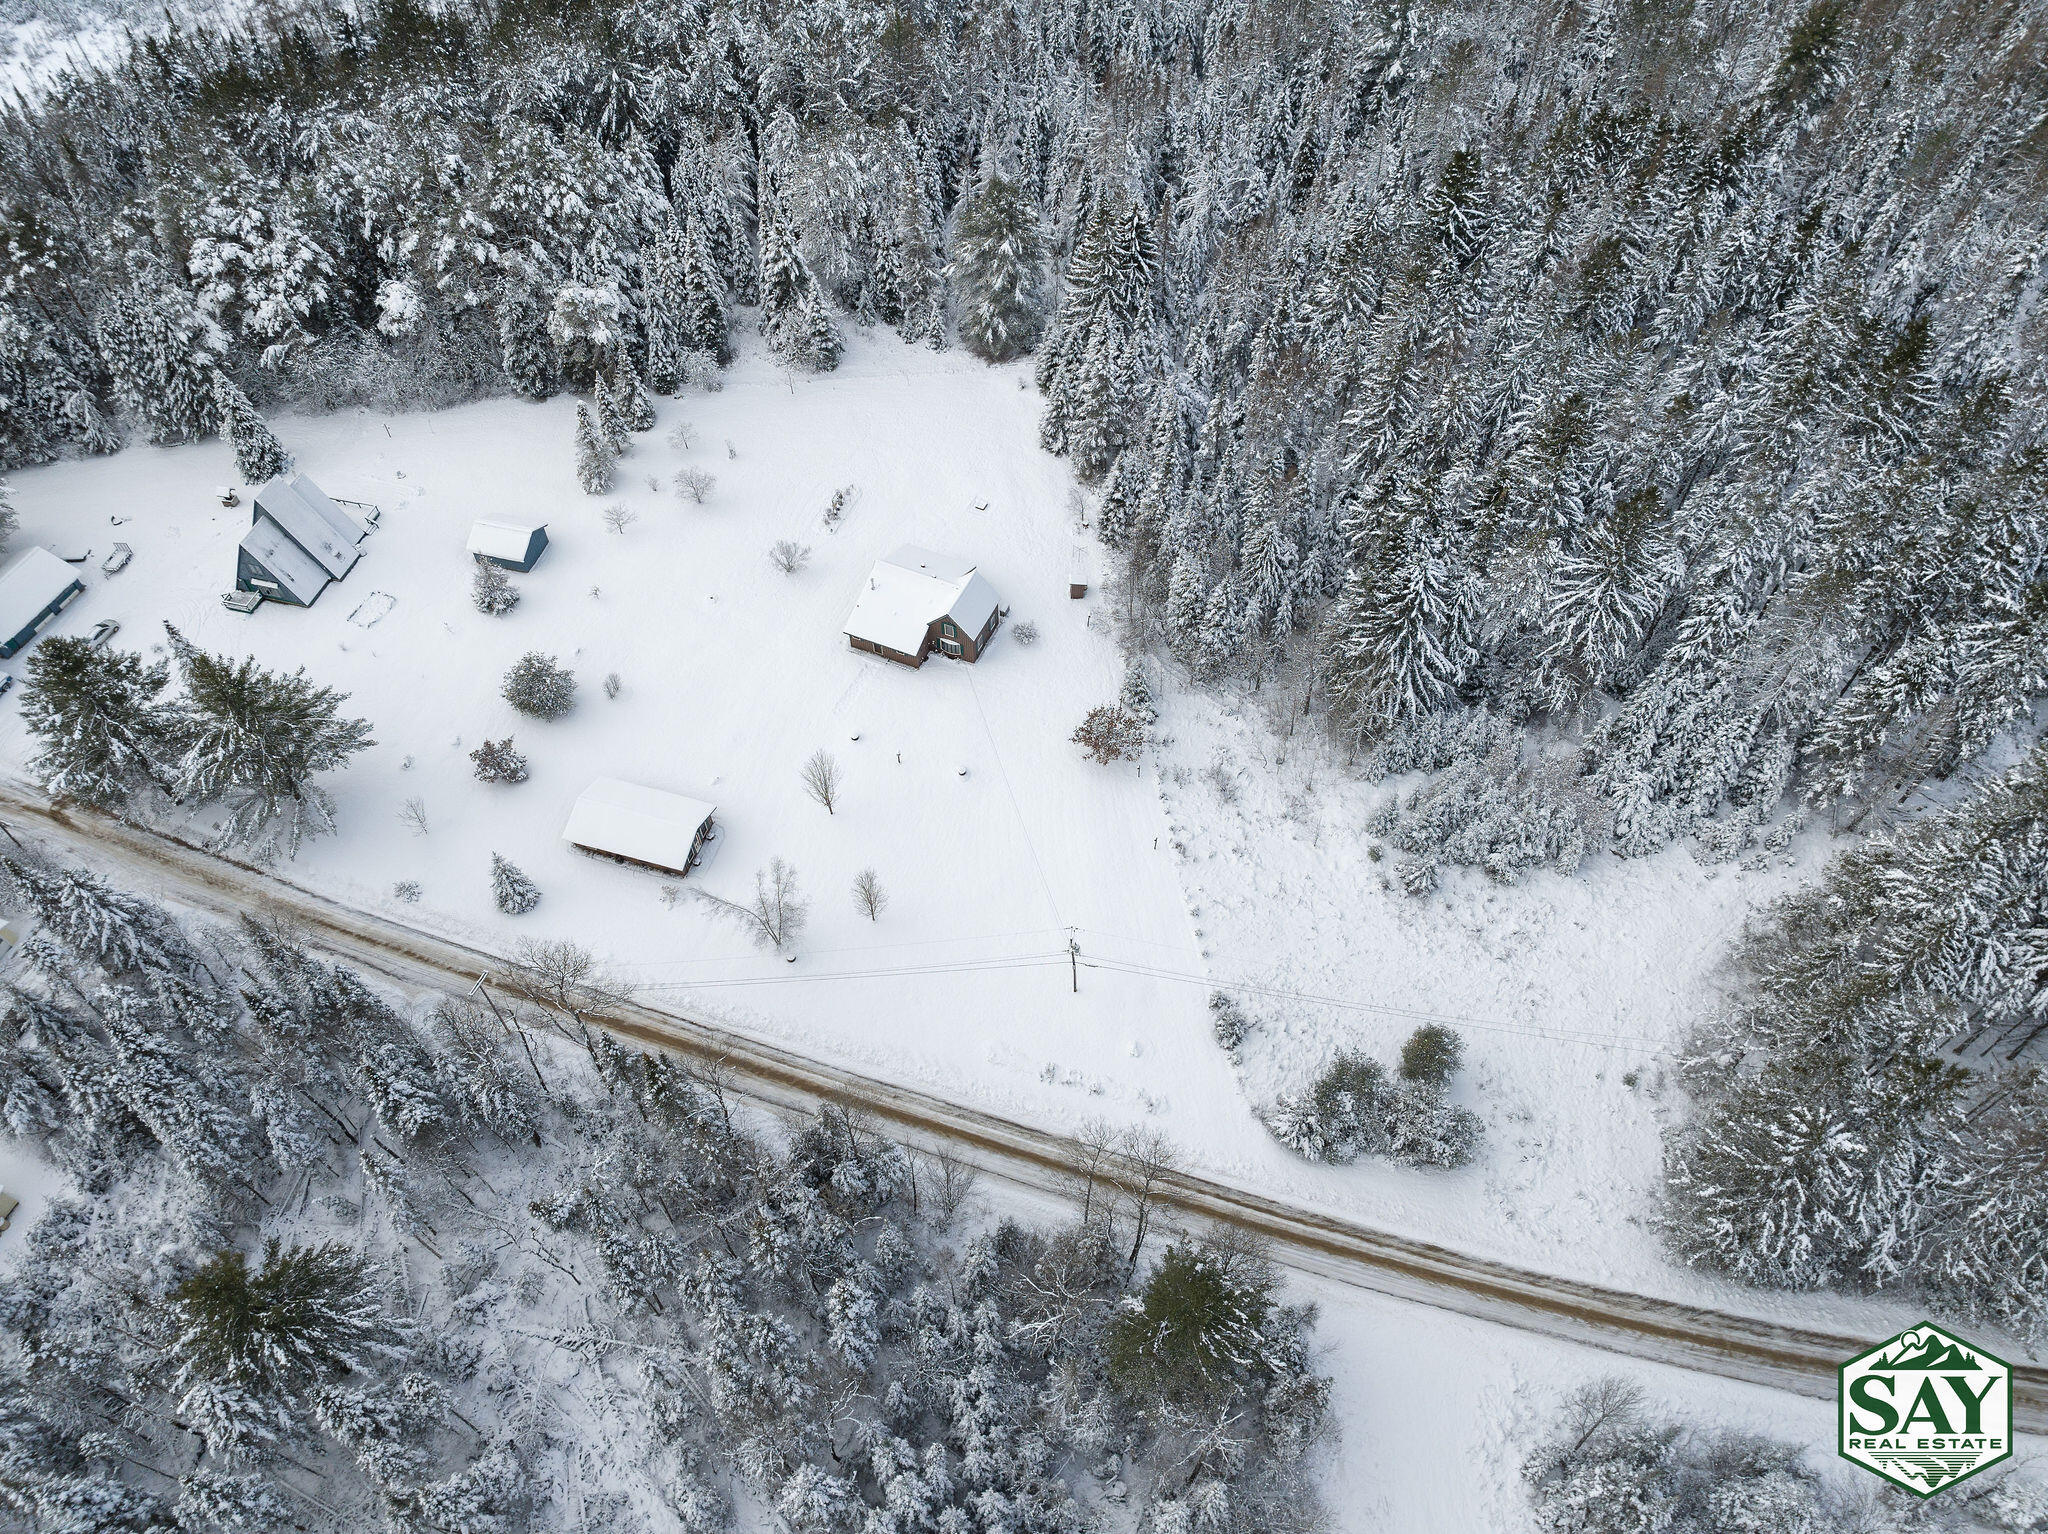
(315, 523)
(502, 537)
(35, 580)
(648, 825)
(296, 570)
(909, 589)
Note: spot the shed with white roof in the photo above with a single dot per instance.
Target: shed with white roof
(508, 542)
(631, 823)
(33, 589)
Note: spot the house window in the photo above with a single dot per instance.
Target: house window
(946, 628)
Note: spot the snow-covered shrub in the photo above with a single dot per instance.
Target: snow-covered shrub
(1432, 1056)
(497, 761)
(612, 684)
(540, 685)
(1489, 814)
(407, 890)
(1136, 696)
(491, 592)
(1608, 1466)
(1228, 1022)
(1025, 633)
(514, 893)
(1110, 733)
(1354, 1110)
(789, 556)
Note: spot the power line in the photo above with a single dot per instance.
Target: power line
(924, 942)
(1561, 1036)
(976, 966)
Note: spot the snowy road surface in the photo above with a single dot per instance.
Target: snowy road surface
(1691, 1337)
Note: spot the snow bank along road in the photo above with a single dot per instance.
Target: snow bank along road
(1684, 1336)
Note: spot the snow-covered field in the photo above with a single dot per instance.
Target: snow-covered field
(995, 840)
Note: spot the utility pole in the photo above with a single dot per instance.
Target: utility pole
(1074, 962)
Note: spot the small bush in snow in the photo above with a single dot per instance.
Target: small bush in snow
(407, 890)
(1432, 1056)
(497, 762)
(1025, 633)
(683, 436)
(1110, 733)
(491, 592)
(541, 686)
(611, 684)
(1416, 876)
(514, 892)
(789, 556)
(1230, 1024)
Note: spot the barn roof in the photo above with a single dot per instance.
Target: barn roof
(296, 570)
(314, 522)
(909, 589)
(31, 583)
(502, 537)
(648, 825)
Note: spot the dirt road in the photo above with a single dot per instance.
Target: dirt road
(1684, 1336)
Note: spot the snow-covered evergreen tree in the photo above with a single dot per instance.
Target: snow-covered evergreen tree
(595, 453)
(259, 456)
(514, 893)
(998, 271)
(102, 729)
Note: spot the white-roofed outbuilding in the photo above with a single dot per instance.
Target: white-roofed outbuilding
(636, 824)
(916, 600)
(507, 541)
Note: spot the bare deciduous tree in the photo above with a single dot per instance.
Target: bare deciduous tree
(565, 975)
(1144, 1159)
(619, 518)
(1095, 1150)
(868, 895)
(695, 485)
(953, 1181)
(821, 779)
(789, 556)
(777, 914)
(414, 814)
(683, 436)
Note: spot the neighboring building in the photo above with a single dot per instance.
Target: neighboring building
(511, 544)
(298, 541)
(33, 589)
(916, 601)
(647, 826)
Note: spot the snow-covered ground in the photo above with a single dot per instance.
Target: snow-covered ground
(40, 41)
(995, 839)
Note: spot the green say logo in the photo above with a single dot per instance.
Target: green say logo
(1926, 1409)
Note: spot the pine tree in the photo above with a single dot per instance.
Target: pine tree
(523, 347)
(307, 1316)
(103, 734)
(514, 893)
(595, 454)
(497, 762)
(491, 592)
(162, 355)
(997, 270)
(611, 415)
(629, 396)
(540, 685)
(255, 739)
(793, 317)
(703, 303)
(259, 456)
(1136, 696)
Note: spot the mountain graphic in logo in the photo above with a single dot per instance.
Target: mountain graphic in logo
(1928, 1351)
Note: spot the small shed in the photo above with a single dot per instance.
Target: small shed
(916, 601)
(298, 541)
(508, 543)
(33, 589)
(629, 823)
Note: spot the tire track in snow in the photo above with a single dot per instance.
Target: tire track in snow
(1666, 1332)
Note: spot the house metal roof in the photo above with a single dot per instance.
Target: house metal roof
(294, 569)
(31, 583)
(628, 820)
(313, 521)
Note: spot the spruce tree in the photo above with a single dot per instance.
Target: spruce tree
(259, 456)
(594, 453)
(793, 316)
(524, 351)
(611, 414)
(491, 592)
(629, 396)
(514, 893)
(997, 271)
(254, 739)
(102, 730)
(1136, 696)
